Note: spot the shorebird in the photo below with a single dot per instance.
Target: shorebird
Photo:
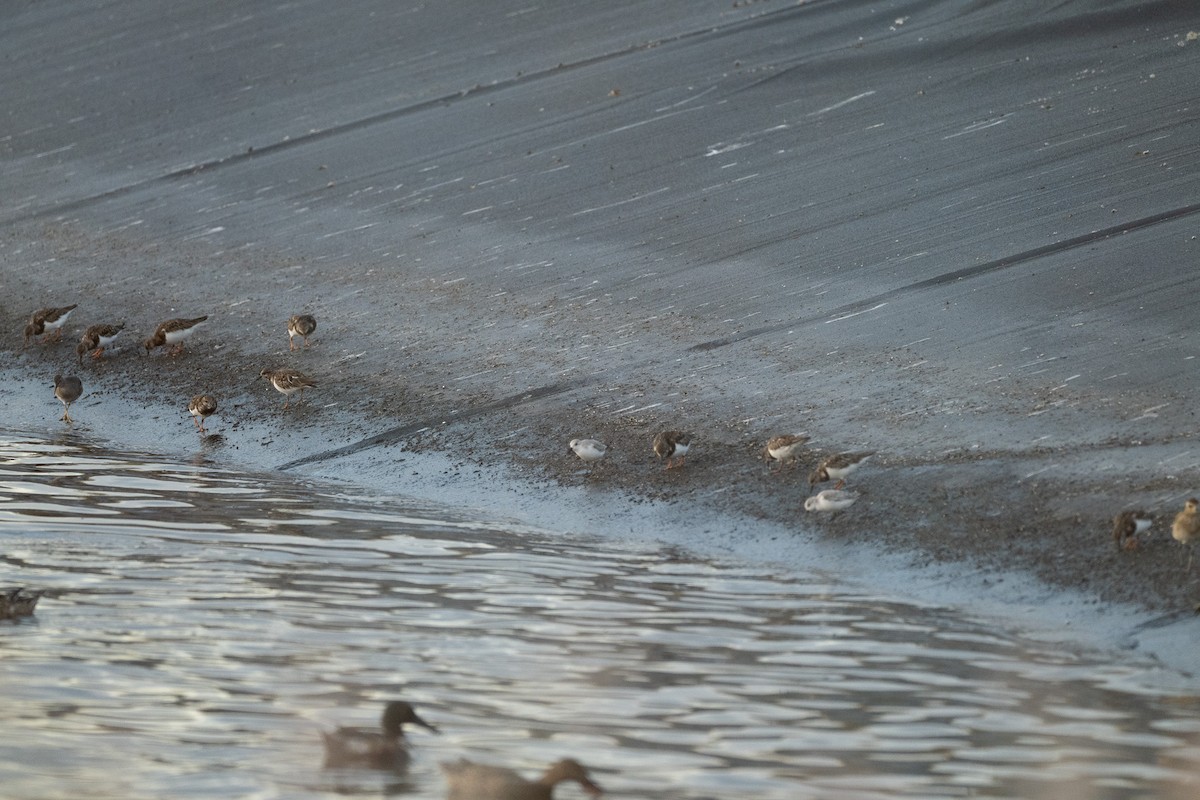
(288, 381)
(470, 781)
(48, 321)
(301, 325)
(201, 407)
(1185, 528)
(1126, 527)
(672, 445)
(830, 500)
(588, 449)
(173, 332)
(784, 449)
(379, 748)
(838, 467)
(96, 338)
(68, 390)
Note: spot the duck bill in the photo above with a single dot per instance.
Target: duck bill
(418, 721)
(592, 789)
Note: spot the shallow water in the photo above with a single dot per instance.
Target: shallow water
(203, 624)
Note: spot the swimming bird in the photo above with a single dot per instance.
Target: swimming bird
(18, 602)
(96, 338)
(288, 381)
(838, 467)
(588, 449)
(48, 321)
(784, 449)
(201, 407)
(173, 332)
(383, 748)
(470, 781)
(301, 325)
(672, 445)
(1126, 527)
(1186, 526)
(830, 500)
(68, 390)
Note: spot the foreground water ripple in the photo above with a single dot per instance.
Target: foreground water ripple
(203, 625)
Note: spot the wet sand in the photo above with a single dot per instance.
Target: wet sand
(963, 238)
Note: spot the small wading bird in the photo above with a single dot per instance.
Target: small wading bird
(588, 449)
(470, 781)
(378, 748)
(1126, 527)
(67, 390)
(48, 321)
(288, 381)
(18, 602)
(830, 500)
(96, 338)
(301, 325)
(201, 408)
(672, 445)
(784, 449)
(838, 467)
(1187, 524)
(173, 332)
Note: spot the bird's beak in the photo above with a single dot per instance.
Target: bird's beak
(424, 724)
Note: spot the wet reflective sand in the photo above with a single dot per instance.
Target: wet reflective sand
(203, 625)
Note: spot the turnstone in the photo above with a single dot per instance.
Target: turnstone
(672, 445)
(588, 449)
(1185, 527)
(838, 467)
(383, 748)
(68, 391)
(96, 338)
(830, 500)
(201, 407)
(467, 780)
(301, 325)
(48, 321)
(288, 381)
(18, 602)
(1126, 527)
(785, 448)
(173, 332)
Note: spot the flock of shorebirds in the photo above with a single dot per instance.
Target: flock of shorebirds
(48, 323)
(674, 445)
(785, 449)
(671, 445)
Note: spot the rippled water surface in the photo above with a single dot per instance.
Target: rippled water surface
(203, 625)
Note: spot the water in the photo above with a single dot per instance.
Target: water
(204, 624)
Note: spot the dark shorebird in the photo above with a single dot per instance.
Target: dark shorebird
(672, 445)
(838, 467)
(48, 321)
(173, 332)
(288, 381)
(96, 338)
(1126, 527)
(301, 325)
(68, 390)
(201, 407)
